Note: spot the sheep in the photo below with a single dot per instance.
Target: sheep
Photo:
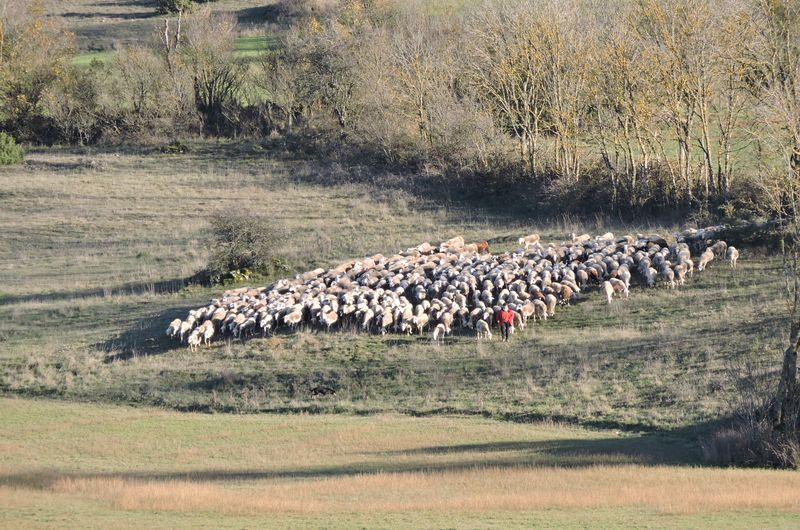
(194, 340)
(551, 302)
(420, 321)
(528, 241)
(619, 286)
(451, 286)
(174, 327)
(447, 320)
(293, 319)
(705, 259)
(733, 255)
(245, 329)
(207, 330)
(438, 332)
(719, 248)
(483, 330)
(483, 247)
(608, 291)
(518, 320)
(580, 239)
(454, 243)
(540, 310)
(328, 317)
(367, 319)
(680, 273)
(668, 275)
(650, 275)
(566, 294)
(186, 326)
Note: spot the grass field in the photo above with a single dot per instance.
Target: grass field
(67, 465)
(97, 244)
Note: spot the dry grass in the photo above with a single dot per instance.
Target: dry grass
(665, 490)
(130, 464)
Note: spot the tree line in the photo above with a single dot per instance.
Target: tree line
(640, 105)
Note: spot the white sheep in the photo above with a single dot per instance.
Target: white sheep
(174, 328)
(186, 326)
(608, 291)
(438, 332)
(194, 340)
(540, 310)
(619, 286)
(528, 241)
(207, 330)
(733, 255)
(706, 258)
(483, 330)
(551, 301)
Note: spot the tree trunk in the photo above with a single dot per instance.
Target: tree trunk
(786, 400)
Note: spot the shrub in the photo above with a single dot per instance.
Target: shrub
(241, 243)
(10, 152)
(174, 6)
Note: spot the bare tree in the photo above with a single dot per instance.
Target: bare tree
(206, 49)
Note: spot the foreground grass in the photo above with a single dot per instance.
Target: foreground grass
(88, 465)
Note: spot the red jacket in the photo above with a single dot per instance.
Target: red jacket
(504, 317)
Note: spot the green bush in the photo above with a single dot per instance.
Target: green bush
(242, 244)
(10, 152)
(174, 6)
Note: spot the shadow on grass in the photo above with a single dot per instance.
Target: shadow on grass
(648, 450)
(146, 338)
(131, 288)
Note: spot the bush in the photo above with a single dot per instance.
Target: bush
(10, 152)
(243, 243)
(174, 6)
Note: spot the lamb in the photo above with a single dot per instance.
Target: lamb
(608, 291)
(619, 286)
(733, 255)
(194, 340)
(680, 274)
(174, 328)
(705, 259)
(438, 332)
(581, 238)
(668, 275)
(482, 329)
(528, 241)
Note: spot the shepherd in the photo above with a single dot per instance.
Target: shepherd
(505, 319)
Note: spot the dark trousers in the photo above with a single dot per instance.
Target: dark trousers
(504, 329)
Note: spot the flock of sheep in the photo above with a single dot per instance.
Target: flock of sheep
(454, 285)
